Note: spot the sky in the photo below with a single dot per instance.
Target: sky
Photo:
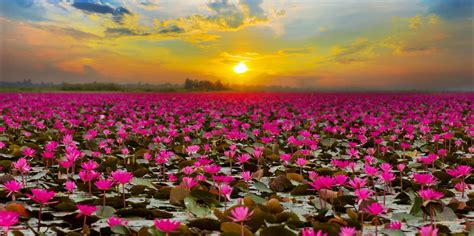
(326, 44)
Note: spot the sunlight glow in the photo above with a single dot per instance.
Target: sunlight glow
(240, 68)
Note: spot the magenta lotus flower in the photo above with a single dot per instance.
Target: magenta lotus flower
(347, 231)
(243, 158)
(246, 176)
(89, 165)
(12, 187)
(424, 179)
(104, 185)
(226, 190)
(460, 171)
(240, 214)
(23, 167)
(28, 152)
(70, 186)
(86, 210)
(114, 221)
(41, 196)
(375, 209)
(362, 194)
(357, 182)
(192, 149)
(310, 232)
(429, 195)
(428, 230)
(166, 225)
(189, 182)
(370, 170)
(8, 219)
(122, 177)
(394, 225)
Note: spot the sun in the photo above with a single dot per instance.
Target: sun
(240, 68)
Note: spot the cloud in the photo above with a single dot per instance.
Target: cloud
(124, 31)
(358, 51)
(77, 34)
(420, 50)
(99, 8)
(294, 51)
(452, 9)
(22, 10)
(224, 16)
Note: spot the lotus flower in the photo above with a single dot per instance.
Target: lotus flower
(347, 231)
(428, 231)
(167, 226)
(122, 177)
(12, 187)
(8, 219)
(113, 221)
(41, 196)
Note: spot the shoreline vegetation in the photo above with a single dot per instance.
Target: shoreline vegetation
(188, 85)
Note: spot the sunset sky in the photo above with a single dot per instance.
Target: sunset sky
(386, 44)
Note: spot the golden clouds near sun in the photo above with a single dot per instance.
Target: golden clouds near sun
(240, 68)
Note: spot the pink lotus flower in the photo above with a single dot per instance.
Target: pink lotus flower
(41, 196)
(310, 232)
(285, 157)
(243, 158)
(362, 194)
(13, 187)
(89, 165)
(301, 161)
(167, 225)
(428, 231)
(86, 210)
(104, 184)
(394, 225)
(122, 177)
(8, 219)
(114, 221)
(370, 170)
(461, 171)
(401, 167)
(22, 165)
(375, 209)
(240, 214)
(28, 152)
(424, 179)
(347, 231)
(192, 149)
(246, 176)
(428, 195)
(357, 183)
(226, 190)
(70, 186)
(189, 182)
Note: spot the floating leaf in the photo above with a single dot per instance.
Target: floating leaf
(105, 212)
(193, 207)
(231, 227)
(262, 187)
(120, 229)
(143, 182)
(277, 230)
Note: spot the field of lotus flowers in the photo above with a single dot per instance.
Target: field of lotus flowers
(236, 164)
